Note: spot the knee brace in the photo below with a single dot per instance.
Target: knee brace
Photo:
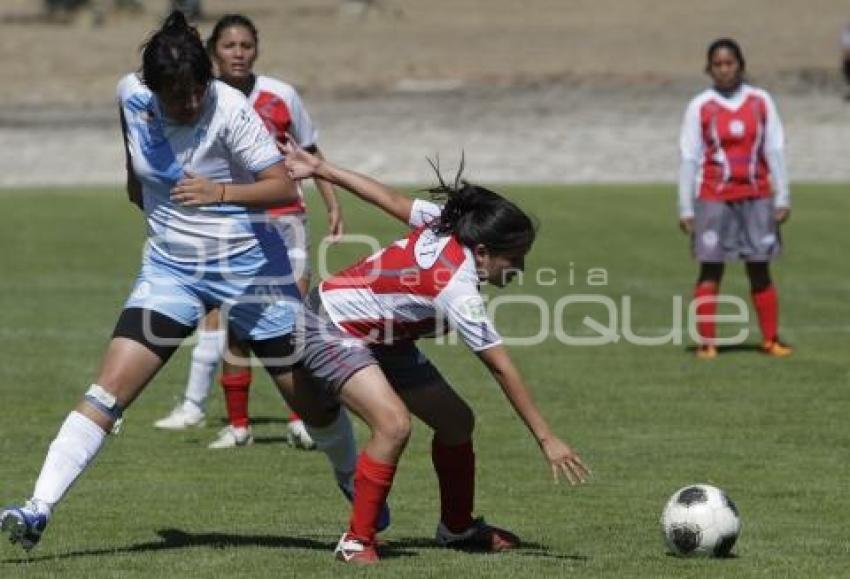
(105, 403)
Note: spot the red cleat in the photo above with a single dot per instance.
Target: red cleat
(355, 552)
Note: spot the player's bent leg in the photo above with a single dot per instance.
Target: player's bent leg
(130, 363)
(440, 407)
(368, 393)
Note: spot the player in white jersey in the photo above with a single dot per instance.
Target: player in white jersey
(233, 46)
(205, 167)
(361, 347)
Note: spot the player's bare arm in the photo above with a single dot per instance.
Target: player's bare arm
(562, 459)
(336, 225)
(272, 186)
(302, 165)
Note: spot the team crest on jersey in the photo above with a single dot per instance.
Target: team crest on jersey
(428, 248)
(473, 308)
(737, 128)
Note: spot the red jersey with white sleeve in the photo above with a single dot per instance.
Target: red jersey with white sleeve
(283, 112)
(731, 147)
(421, 286)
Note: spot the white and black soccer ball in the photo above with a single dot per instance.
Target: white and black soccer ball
(700, 520)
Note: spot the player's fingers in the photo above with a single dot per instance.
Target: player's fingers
(584, 468)
(569, 474)
(578, 472)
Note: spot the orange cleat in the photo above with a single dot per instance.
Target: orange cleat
(706, 352)
(776, 349)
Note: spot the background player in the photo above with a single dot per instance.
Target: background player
(732, 148)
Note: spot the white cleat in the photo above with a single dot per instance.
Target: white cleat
(232, 437)
(297, 435)
(180, 419)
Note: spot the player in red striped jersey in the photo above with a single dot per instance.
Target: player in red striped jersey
(361, 346)
(233, 46)
(732, 148)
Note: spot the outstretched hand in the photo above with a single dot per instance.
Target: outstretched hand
(336, 225)
(299, 163)
(192, 191)
(564, 461)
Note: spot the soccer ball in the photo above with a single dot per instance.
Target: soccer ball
(700, 520)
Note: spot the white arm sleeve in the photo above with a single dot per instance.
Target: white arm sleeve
(250, 142)
(462, 306)
(774, 152)
(691, 151)
(423, 213)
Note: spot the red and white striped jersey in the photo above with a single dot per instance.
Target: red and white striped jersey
(282, 111)
(732, 138)
(421, 286)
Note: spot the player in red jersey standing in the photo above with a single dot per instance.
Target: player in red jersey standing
(360, 346)
(233, 46)
(733, 163)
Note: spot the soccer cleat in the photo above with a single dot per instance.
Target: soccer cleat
(181, 419)
(232, 437)
(478, 537)
(354, 551)
(706, 352)
(776, 349)
(24, 525)
(383, 519)
(297, 435)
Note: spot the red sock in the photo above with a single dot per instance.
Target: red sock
(372, 483)
(455, 466)
(293, 416)
(706, 310)
(767, 310)
(236, 387)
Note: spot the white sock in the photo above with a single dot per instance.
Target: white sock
(70, 453)
(337, 442)
(205, 356)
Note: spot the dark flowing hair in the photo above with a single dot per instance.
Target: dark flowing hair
(226, 22)
(476, 215)
(174, 56)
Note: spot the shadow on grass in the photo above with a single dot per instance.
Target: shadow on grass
(177, 539)
(255, 420)
(732, 349)
(526, 549)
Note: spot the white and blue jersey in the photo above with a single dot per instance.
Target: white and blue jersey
(212, 256)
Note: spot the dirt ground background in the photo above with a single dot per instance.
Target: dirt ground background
(533, 91)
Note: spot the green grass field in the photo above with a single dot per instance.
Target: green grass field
(773, 433)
